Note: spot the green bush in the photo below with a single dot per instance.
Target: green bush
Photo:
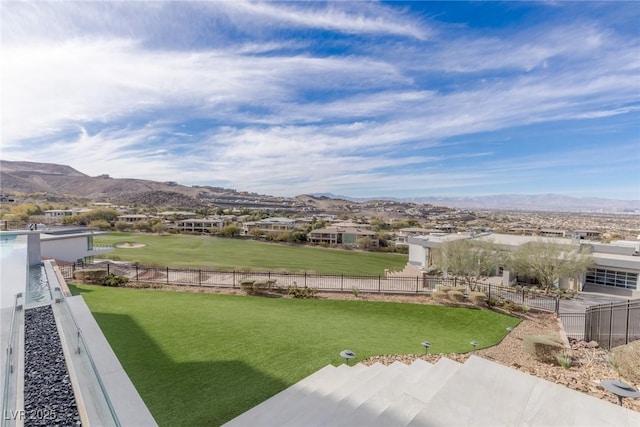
(456, 296)
(544, 348)
(90, 275)
(114, 280)
(564, 360)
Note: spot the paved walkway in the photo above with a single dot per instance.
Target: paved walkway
(587, 299)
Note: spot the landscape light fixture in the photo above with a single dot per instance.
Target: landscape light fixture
(620, 389)
(347, 355)
(426, 345)
(474, 344)
(509, 329)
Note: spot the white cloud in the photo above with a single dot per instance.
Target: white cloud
(379, 116)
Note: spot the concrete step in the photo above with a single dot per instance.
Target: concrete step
(486, 393)
(478, 393)
(435, 378)
(342, 402)
(317, 408)
(279, 405)
(384, 395)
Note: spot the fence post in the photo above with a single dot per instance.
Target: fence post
(137, 272)
(417, 283)
(342, 282)
(167, 275)
(587, 324)
(610, 324)
(233, 285)
(379, 283)
(626, 333)
(489, 291)
(557, 306)
(199, 277)
(305, 278)
(522, 296)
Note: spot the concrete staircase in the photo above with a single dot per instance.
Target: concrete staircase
(409, 270)
(476, 393)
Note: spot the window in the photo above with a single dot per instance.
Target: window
(617, 279)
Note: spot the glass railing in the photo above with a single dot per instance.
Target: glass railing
(11, 414)
(100, 405)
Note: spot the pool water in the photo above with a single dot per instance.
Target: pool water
(38, 289)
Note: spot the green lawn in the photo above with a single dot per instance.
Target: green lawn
(202, 359)
(229, 254)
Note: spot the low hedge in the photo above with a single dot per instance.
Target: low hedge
(90, 275)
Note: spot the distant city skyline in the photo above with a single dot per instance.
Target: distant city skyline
(362, 99)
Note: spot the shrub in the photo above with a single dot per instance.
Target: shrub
(564, 360)
(114, 280)
(440, 296)
(247, 285)
(259, 286)
(90, 275)
(444, 288)
(298, 292)
(355, 291)
(626, 359)
(478, 298)
(543, 348)
(456, 296)
(461, 289)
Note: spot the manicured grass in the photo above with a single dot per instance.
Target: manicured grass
(202, 359)
(230, 254)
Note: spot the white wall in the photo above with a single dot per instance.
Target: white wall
(418, 255)
(65, 248)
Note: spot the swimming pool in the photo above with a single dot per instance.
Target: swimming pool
(20, 275)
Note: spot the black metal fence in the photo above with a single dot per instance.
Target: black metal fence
(613, 324)
(573, 324)
(323, 282)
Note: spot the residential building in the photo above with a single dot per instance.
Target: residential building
(57, 213)
(341, 236)
(132, 218)
(71, 244)
(616, 265)
(203, 225)
(270, 224)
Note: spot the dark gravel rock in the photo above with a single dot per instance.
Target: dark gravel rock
(48, 395)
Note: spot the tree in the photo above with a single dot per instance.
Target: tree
(549, 262)
(229, 231)
(158, 227)
(100, 224)
(122, 226)
(469, 258)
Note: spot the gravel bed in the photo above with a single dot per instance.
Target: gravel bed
(48, 395)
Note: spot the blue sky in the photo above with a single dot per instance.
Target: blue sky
(401, 99)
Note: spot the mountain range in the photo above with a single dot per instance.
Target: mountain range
(61, 182)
